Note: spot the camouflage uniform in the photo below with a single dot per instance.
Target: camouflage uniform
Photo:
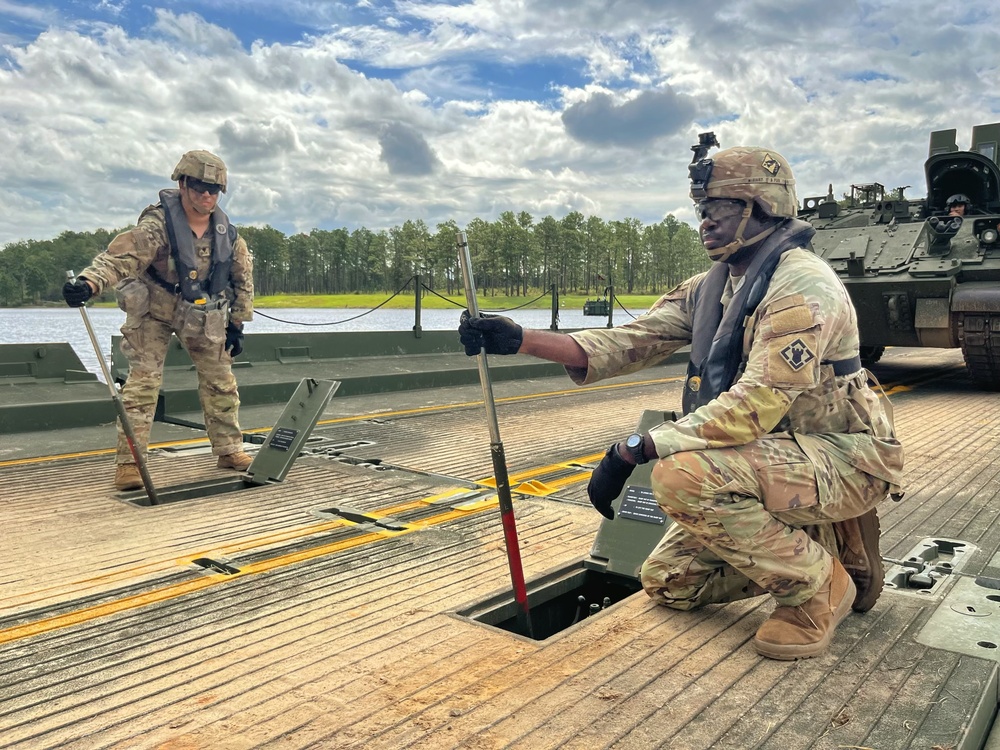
(788, 445)
(153, 313)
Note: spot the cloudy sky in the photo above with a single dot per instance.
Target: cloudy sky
(371, 112)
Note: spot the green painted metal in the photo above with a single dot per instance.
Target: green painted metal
(291, 431)
(43, 362)
(261, 349)
(623, 543)
(45, 387)
(917, 276)
(273, 364)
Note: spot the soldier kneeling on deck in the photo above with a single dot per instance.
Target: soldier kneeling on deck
(183, 269)
(784, 450)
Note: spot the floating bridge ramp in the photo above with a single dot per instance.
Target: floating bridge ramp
(325, 611)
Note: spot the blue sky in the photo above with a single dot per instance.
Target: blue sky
(368, 113)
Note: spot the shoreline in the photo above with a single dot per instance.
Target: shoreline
(429, 302)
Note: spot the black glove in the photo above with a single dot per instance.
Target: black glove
(76, 293)
(234, 339)
(499, 335)
(607, 481)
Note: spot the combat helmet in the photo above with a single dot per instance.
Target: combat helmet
(201, 165)
(750, 174)
(754, 175)
(957, 198)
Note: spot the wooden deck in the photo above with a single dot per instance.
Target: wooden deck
(328, 633)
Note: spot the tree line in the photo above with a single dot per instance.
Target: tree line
(514, 255)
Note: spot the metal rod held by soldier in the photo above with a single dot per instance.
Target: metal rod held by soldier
(497, 452)
(147, 483)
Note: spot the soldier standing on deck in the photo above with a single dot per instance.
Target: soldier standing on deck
(183, 269)
(784, 450)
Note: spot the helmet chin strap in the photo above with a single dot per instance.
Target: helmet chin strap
(723, 253)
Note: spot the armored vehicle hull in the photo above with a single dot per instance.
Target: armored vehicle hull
(918, 274)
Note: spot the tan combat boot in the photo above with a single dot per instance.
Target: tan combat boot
(857, 543)
(127, 477)
(806, 630)
(239, 461)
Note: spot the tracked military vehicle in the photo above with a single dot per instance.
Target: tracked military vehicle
(918, 275)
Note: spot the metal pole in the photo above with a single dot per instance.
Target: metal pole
(611, 302)
(417, 286)
(555, 308)
(497, 453)
(147, 483)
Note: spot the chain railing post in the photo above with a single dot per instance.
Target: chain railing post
(417, 288)
(555, 309)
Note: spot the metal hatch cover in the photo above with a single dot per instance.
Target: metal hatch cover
(290, 432)
(626, 541)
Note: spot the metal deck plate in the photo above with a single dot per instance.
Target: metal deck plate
(966, 622)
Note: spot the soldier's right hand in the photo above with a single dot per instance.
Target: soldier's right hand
(495, 333)
(76, 293)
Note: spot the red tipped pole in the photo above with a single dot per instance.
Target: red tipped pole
(497, 453)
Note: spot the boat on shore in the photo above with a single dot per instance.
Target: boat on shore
(596, 307)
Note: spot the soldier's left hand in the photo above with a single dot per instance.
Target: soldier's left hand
(234, 339)
(608, 480)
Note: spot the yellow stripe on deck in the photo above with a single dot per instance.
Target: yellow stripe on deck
(475, 505)
(359, 418)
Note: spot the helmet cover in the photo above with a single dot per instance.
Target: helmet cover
(201, 165)
(754, 174)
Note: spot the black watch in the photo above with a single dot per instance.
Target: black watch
(636, 445)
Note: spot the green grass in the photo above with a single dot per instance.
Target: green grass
(405, 301)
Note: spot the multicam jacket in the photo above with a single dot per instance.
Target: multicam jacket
(147, 245)
(804, 320)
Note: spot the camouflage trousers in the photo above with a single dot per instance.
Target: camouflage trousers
(145, 344)
(744, 515)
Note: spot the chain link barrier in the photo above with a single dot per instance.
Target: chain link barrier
(430, 291)
(345, 320)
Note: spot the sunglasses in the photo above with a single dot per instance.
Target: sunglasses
(202, 187)
(718, 209)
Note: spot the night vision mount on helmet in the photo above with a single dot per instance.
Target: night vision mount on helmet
(746, 173)
(749, 174)
(917, 276)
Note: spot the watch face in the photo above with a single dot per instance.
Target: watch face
(634, 441)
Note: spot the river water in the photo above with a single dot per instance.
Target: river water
(63, 324)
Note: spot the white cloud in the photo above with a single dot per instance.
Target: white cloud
(190, 31)
(440, 110)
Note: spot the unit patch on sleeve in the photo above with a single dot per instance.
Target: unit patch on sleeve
(797, 354)
(792, 360)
